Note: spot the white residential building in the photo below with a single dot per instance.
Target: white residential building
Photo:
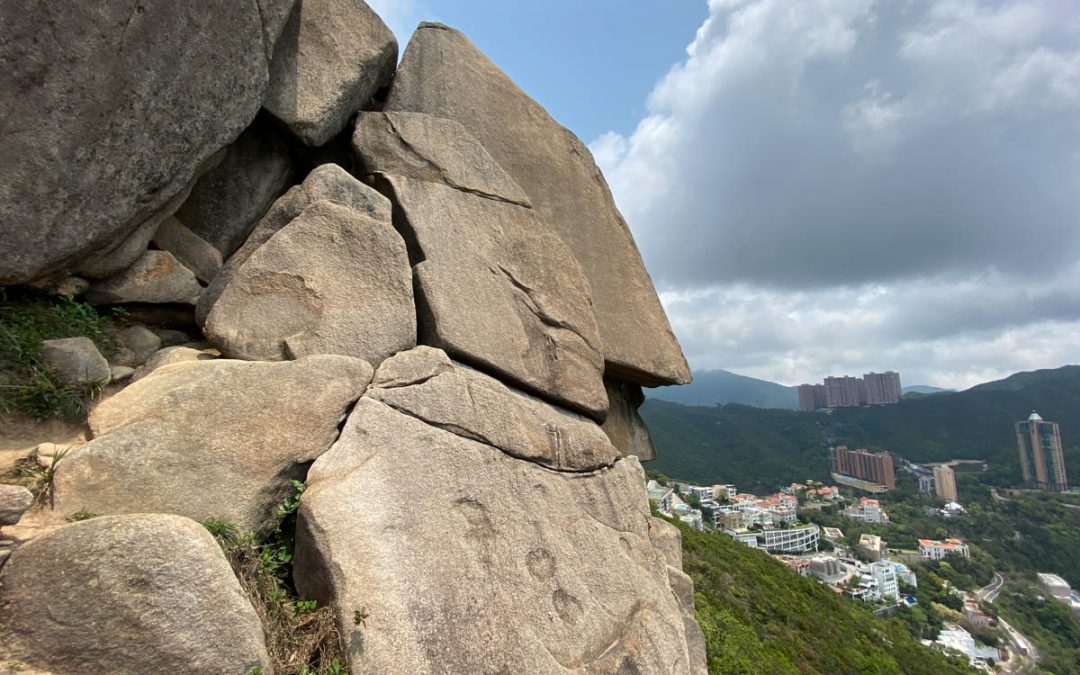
(794, 540)
(661, 496)
(884, 572)
(932, 549)
(868, 511)
(702, 492)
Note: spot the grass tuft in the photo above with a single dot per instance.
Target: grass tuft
(27, 384)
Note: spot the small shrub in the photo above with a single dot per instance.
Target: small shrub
(27, 385)
(36, 478)
(81, 514)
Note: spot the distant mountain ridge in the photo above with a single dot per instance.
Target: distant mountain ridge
(925, 389)
(768, 448)
(719, 387)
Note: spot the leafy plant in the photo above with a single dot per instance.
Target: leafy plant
(36, 478)
(27, 384)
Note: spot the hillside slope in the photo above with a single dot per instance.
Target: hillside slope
(717, 387)
(759, 617)
(734, 443)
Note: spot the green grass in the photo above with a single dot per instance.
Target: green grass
(27, 385)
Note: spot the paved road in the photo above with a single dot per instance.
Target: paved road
(1024, 654)
(989, 592)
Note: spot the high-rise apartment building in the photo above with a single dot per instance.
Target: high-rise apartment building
(882, 388)
(811, 397)
(872, 467)
(844, 391)
(945, 483)
(1041, 459)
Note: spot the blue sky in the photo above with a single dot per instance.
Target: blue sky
(825, 186)
(591, 63)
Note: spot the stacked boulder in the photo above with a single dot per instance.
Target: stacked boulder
(425, 304)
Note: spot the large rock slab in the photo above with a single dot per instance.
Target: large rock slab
(156, 277)
(498, 290)
(445, 555)
(430, 148)
(327, 182)
(229, 199)
(197, 254)
(210, 439)
(425, 384)
(112, 109)
(332, 281)
(332, 57)
(443, 74)
(131, 594)
(76, 360)
(624, 425)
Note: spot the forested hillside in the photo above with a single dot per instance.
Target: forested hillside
(745, 445)
(717, 387)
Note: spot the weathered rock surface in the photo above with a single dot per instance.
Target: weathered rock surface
(117, 108)
(170, 355)
(624, 425)
(327, 182)
(189, 248)
(229, 199)
(524, 569)
(498, 290)
(425, 384)
(210, 439)
(433, 149)
(332, 281)
(14, 500)
(120, 373)
(76, 360)
(332, 57)
(129, 594)
(140, 341)
(443, 74)
(155, 277)
(120, 255)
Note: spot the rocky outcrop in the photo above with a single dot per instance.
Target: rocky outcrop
(75, 360)
(496, 287)
(443, 74)
(229, 199)
(210, 439)
(140, 341)
(624, 425)
(156, 277)
(331, 281)
(118, 108)
(332, 57)
(14, 500)
(327, 182)
(129, 594)
(523, 570)
(170, 355)
(425, 384)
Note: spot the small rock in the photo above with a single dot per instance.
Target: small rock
(169, 355)
(14, 500)
(76, 360)
(141, 341)
(121, 254)
(147, 593)
(156, 277)
(171, 338)
(189, 248)
(123, 357)
(120, 373)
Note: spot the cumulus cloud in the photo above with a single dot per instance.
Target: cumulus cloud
(843, 185)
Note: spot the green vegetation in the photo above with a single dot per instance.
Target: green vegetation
(759, 617)
(301, 637)
(38, 479)
(27, 385)
(757, 449)
(1053, 626)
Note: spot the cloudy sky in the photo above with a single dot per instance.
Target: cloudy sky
(826, 186)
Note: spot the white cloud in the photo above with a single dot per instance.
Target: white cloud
(835, 185)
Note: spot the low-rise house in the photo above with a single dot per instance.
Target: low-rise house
(828, 569)
(955, 637)
(884, 573)
(868, 511)
(661, 496)
(872, 545)
(702, 492)
(952, 510)
(1056, 586)
(688, 515)
(932, 549)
